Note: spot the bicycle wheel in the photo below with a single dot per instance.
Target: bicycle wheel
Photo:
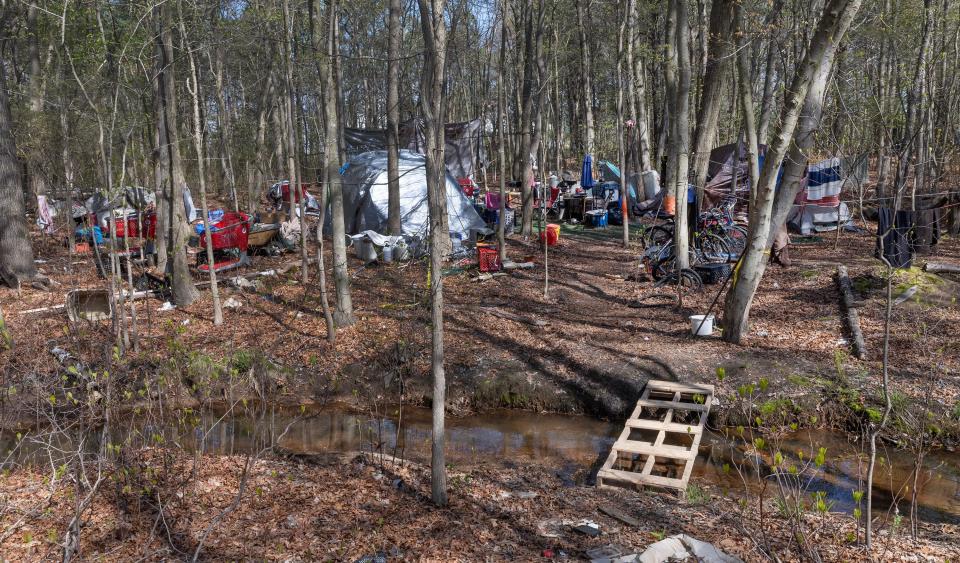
(711, 248)
(736, 238)
(685, 278)
(659, 236)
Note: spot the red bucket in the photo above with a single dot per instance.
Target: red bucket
(552, 235)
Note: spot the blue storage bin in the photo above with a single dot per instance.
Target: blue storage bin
(597, 219)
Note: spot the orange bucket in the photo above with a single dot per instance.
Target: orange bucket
(670, 204)
(552, 234)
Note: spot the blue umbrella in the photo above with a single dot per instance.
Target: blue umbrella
(586, 175)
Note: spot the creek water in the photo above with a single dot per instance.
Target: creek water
(575, 445)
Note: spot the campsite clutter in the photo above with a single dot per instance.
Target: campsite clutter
(587, 200)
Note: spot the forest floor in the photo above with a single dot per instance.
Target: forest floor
(345, 508)
(588, 347)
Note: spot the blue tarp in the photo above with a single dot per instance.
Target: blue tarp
(586, 174)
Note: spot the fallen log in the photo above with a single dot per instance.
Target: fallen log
(852, 315)
(941, 268)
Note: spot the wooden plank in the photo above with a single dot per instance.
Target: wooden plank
(653, 403)
(619, 515)
(675, 427)
(673, 387)
(637, 479)
(658, 450)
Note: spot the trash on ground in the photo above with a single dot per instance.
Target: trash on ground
(588, 527)
(682, 546)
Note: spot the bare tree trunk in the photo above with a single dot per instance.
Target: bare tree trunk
(586, 68)
(343, 311)
(667, 133)
(643, 117)
(681, 239)
(833, 25)
(293, 144)
(193, 86)
(225, 122)
(184, 291)
(501, 138)
(714, 89)
(16, 253)
(321, 268)
(393, 118)
(434, 35)
(624, 133)
(746, 105)
(263, 117)
(37, 174)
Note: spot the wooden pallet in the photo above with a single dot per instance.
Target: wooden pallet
(664, 430)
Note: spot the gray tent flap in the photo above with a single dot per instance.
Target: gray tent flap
(365, 195)
(463, 149)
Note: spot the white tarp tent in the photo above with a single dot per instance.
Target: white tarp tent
(365, 197)
(808, 218)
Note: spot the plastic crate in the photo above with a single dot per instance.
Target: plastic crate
(488, 258)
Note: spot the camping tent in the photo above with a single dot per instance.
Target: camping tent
(365, 197)
(463, 149)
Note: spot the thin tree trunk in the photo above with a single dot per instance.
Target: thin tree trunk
(715, 84)
(833, 25)
(501, 140)
(293, 151)
(681, 238)
(343, 311)
(746, 105)
(622, 131)
(393, 118)
(434, 34)
(321, 268)
(184, 291)
(586, 69)
(198, 127)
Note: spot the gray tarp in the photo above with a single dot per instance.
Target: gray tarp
(463, 149)
(365, 197)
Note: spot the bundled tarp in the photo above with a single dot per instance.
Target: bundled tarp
(365, 197)
(463, 147)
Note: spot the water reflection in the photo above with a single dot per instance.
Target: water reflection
(564, 441)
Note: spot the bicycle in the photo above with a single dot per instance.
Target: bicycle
(706, 246)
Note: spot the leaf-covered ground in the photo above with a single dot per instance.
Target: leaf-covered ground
(345, 508)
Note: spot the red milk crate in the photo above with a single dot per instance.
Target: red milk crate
(489, 258)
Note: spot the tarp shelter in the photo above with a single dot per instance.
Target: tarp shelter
(463, 150)
(818, 207)
(610, 172)
(729, 161)
(365, 197)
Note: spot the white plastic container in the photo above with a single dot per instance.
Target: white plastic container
(400, 251)
(707, 325)
(387, 254)
(366, 251)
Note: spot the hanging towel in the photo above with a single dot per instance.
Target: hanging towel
(894, 237)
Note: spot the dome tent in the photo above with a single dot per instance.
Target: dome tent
(365, 197)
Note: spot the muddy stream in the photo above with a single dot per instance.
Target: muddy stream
(576, 446)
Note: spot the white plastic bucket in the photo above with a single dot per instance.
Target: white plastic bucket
(400, 251)
(707, 325)
(366, 251)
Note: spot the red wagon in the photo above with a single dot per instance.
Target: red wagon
(230, 239)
